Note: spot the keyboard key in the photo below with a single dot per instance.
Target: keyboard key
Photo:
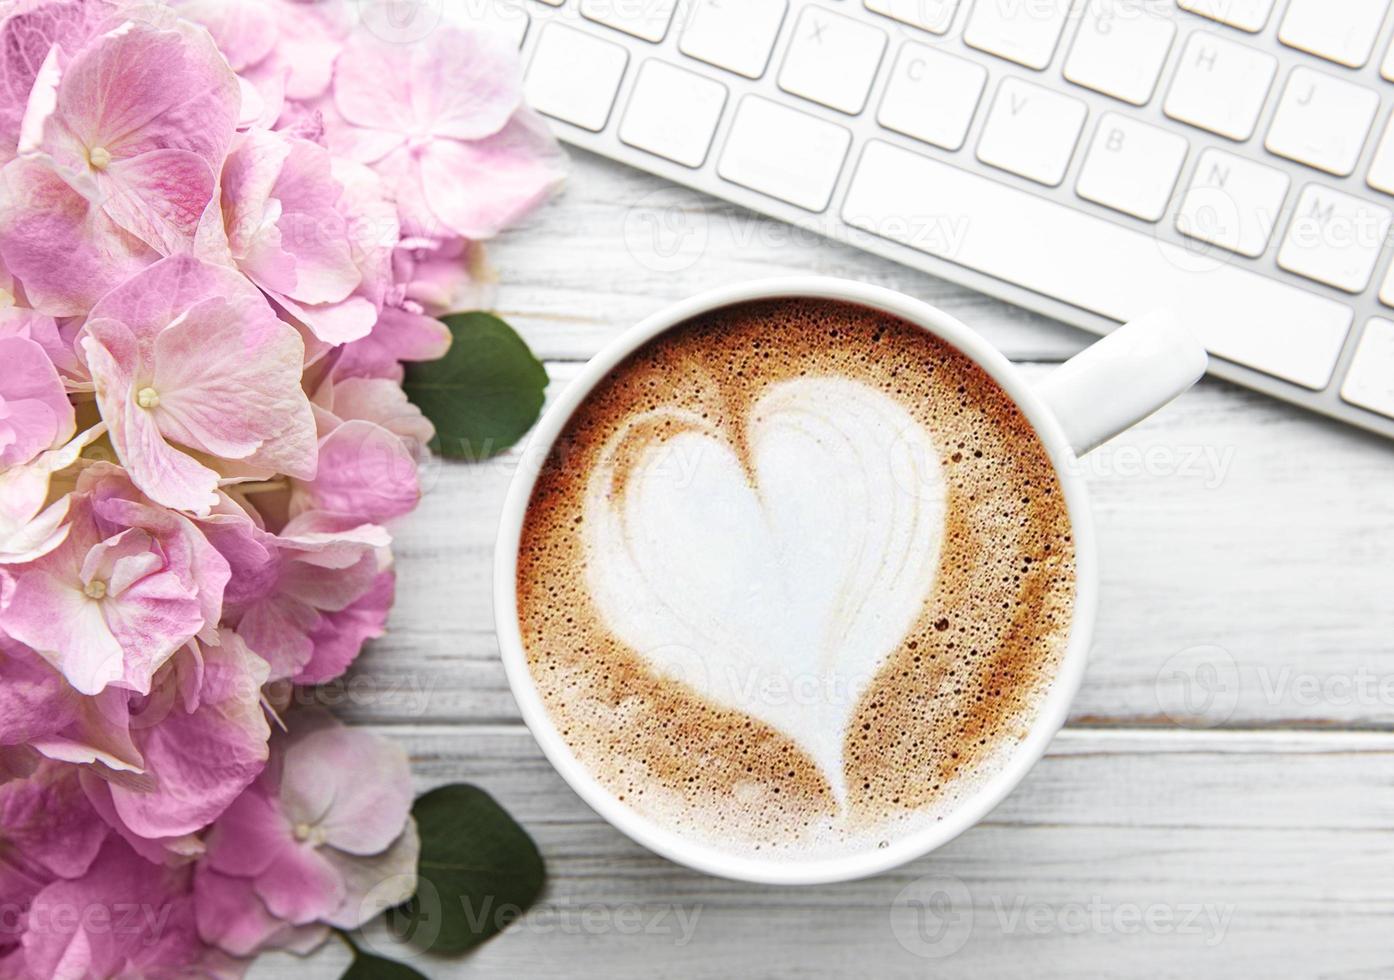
(1334, 238)
(929, 15)
(1031, 131)
(1220, 85)
(1386, 289)
(932, 96)
(1024, 31)
(784, 153)
(1120, 49)
(644, 19)
(673, 113)
(1370, 382)
(1322, 121)
(1247, 15)
(1131, 167)
(1381, 176)
(1094, 263)
(737, 36)
(1342, 32)
(574, 76)
(1233, 203)
(1386, 68)
(832, 60)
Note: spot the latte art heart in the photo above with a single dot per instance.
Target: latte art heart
(772, 564)
(794, 578)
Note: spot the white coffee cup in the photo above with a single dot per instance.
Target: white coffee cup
(1106, 389)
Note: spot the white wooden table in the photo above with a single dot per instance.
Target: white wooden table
(1248, 553)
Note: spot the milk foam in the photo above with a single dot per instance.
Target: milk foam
(778, 580)
(747, 517)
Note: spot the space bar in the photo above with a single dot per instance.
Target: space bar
(1094, 264)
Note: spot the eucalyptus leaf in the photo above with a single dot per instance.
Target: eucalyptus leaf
(478, 872)
(366, 966)
(484, 394)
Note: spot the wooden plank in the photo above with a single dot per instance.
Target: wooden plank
(618, 244)
(1125, 853)
(1227, 521)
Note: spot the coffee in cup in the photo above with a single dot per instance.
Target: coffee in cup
(795, 578)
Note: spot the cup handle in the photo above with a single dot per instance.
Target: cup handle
(1124, 378)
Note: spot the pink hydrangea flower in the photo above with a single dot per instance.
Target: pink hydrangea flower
(316, 841)
(130, 585)
(36, 426)
(35, 414)
(442, 119)
(319, 250)
(189, 358)
(119, 155)
(31, 526)
(444, 275)
(287, 604)
(44, 330)
(50, 834)
(28, 32)
(294, 42)
(202, 739)
(160, 942)
(223, 227)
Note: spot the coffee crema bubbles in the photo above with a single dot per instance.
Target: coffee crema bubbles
(795, 578)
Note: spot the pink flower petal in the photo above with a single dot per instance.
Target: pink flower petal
(366, 475)
(250, 835)
(157, 850)
(458, 84)
(228, 374)
(245, 32)
(321, 785)
(66, 628)
(100, 735)
(159, 197)
(374, 884)
(140, 89)
(224, 373)
(34, 698)
(27, 34)
(65, 251)
(383, 403)
(167, 474)
(202, 760)
(278, 628)
(48, 823)
(301, 886)
(35, 414)
(232, 917)
(61, 944)
(339, 636)
(478, 188)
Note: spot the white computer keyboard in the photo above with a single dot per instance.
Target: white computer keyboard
(1091, 159)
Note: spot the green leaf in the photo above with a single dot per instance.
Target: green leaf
(484, 394)
(366, 966)
(479, 872)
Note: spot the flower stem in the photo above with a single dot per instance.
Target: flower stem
(262, 486)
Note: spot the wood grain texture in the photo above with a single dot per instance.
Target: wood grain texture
(1248, 584)
(1147, 854)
